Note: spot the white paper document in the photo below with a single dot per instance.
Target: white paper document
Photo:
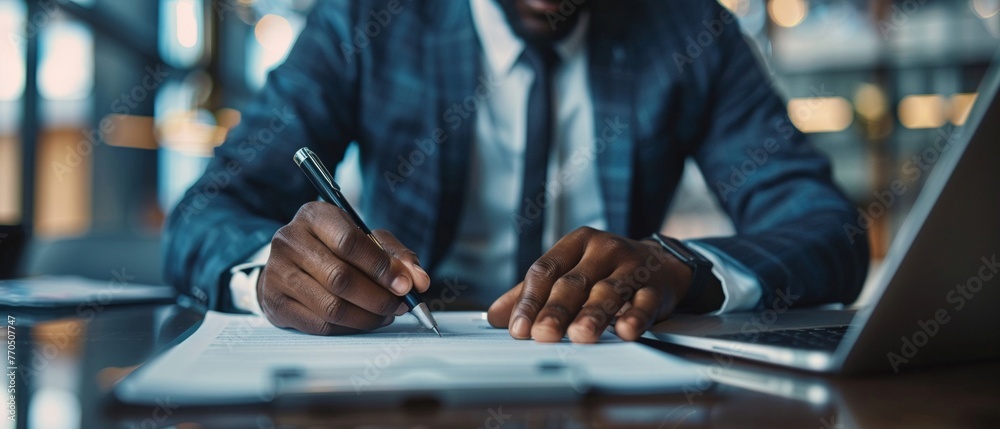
(239, 358)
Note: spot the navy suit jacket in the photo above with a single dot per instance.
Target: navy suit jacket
(670, 80)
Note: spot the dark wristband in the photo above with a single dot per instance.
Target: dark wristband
(701, 268)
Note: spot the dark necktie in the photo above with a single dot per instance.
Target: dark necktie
(541, 122)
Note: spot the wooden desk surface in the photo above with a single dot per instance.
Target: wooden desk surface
(67, 364)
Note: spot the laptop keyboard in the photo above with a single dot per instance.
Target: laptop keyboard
(826, 338)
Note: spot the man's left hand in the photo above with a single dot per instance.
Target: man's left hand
(586, 280)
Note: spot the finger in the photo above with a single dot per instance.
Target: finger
(336, 277)
(499, 313)
(401, 310)
(644, 310)
(337, 231)
(625, 307)
(421, 280)
(295, 315)
(568, 295)
(539, 279)
(333, 309)
(605, 299)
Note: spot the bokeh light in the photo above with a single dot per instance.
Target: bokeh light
(66, 67)
(985, 8)
(821, 114)
(187, 23)
(788, 13)
(11, 51)
(961, 106)
(275, 35)
(922, 111)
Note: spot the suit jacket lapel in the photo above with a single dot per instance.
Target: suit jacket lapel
(612, 82)
(454, 68)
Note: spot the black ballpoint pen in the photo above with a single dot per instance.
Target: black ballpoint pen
(330, 191)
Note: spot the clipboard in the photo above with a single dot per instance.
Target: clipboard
(428, 385)
(244, 360)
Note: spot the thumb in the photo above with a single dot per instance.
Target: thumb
(499, 313)
(421, 280)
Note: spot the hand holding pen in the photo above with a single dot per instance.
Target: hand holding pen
(325, 276)
(321, 179)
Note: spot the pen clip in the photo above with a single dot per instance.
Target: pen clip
(306, 153)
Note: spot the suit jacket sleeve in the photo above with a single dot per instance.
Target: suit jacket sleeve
(796, 231)
(252, 187)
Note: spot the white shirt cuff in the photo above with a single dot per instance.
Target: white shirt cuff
(740, 286)
(243, 283)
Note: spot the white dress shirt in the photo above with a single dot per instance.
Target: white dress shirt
(486, 241)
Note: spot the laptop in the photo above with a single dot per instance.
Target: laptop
(937, 298)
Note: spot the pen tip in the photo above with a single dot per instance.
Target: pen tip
(436, 331)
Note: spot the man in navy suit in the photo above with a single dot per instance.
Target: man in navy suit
(523, 153)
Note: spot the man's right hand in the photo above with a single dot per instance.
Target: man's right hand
(326, 277)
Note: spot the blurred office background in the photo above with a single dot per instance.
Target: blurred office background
(109, 109)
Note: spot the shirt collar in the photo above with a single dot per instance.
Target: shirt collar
(502, 47)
